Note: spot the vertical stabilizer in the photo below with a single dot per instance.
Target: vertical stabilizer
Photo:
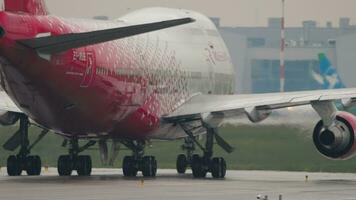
(328, 77)
(325, 64)
(34, 7)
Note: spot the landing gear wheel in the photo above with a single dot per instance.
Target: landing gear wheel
(129, 167)
(218, 168)
(65, 165)
(14, 166)
(149, 166)
(84, 165)
(182, 164)
(198, 167)
(33, 165)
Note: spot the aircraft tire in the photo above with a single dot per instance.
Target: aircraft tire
(33, 165)
(65, 165)
(149, 166)
(182, 164)
(198, 168)
(13, 166)
(129, 167)
(84, 165)
(218, 168)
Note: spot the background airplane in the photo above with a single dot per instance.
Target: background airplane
(156, 73)
(328, 77)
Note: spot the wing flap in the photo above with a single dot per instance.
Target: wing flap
(60, 43)
(236, 104)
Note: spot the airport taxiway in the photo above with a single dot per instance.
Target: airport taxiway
(109, 184)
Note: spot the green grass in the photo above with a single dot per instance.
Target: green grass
(257, 148)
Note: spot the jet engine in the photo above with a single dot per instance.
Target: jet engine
(255, 115)
(8, 118)
(338, 140)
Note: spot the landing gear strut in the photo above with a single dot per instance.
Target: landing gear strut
(23, 161)
(138, 162)
(201, 165)
(75, 162)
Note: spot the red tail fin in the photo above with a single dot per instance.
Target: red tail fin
(34, 7)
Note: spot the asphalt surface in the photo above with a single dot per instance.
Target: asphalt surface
(107, 184)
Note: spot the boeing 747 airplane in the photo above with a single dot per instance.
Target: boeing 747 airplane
(156, 73)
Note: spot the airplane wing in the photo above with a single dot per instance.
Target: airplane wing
(230, 105)
(6, 104)
(60, 43)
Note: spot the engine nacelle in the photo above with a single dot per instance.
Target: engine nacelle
(255, 115)
(337, 141)
(8, 118)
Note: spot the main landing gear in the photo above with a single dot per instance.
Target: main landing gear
(138, 162)
(75, 162)
(201, 165)
(185, 160)
(23, 161)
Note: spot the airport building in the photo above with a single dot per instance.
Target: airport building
(256, 54)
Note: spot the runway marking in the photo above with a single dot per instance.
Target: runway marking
(111, 184)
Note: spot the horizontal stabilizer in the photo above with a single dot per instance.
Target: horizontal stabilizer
(61, 43)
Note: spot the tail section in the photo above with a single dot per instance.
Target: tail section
(325, 64)
(34, 7)
(328, 77)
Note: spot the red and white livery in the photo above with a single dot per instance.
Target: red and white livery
(156, 73)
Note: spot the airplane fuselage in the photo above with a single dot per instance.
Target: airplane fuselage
(114, 89)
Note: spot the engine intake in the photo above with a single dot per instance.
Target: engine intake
(338, 140)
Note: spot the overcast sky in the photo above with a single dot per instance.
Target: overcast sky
(232, 12)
